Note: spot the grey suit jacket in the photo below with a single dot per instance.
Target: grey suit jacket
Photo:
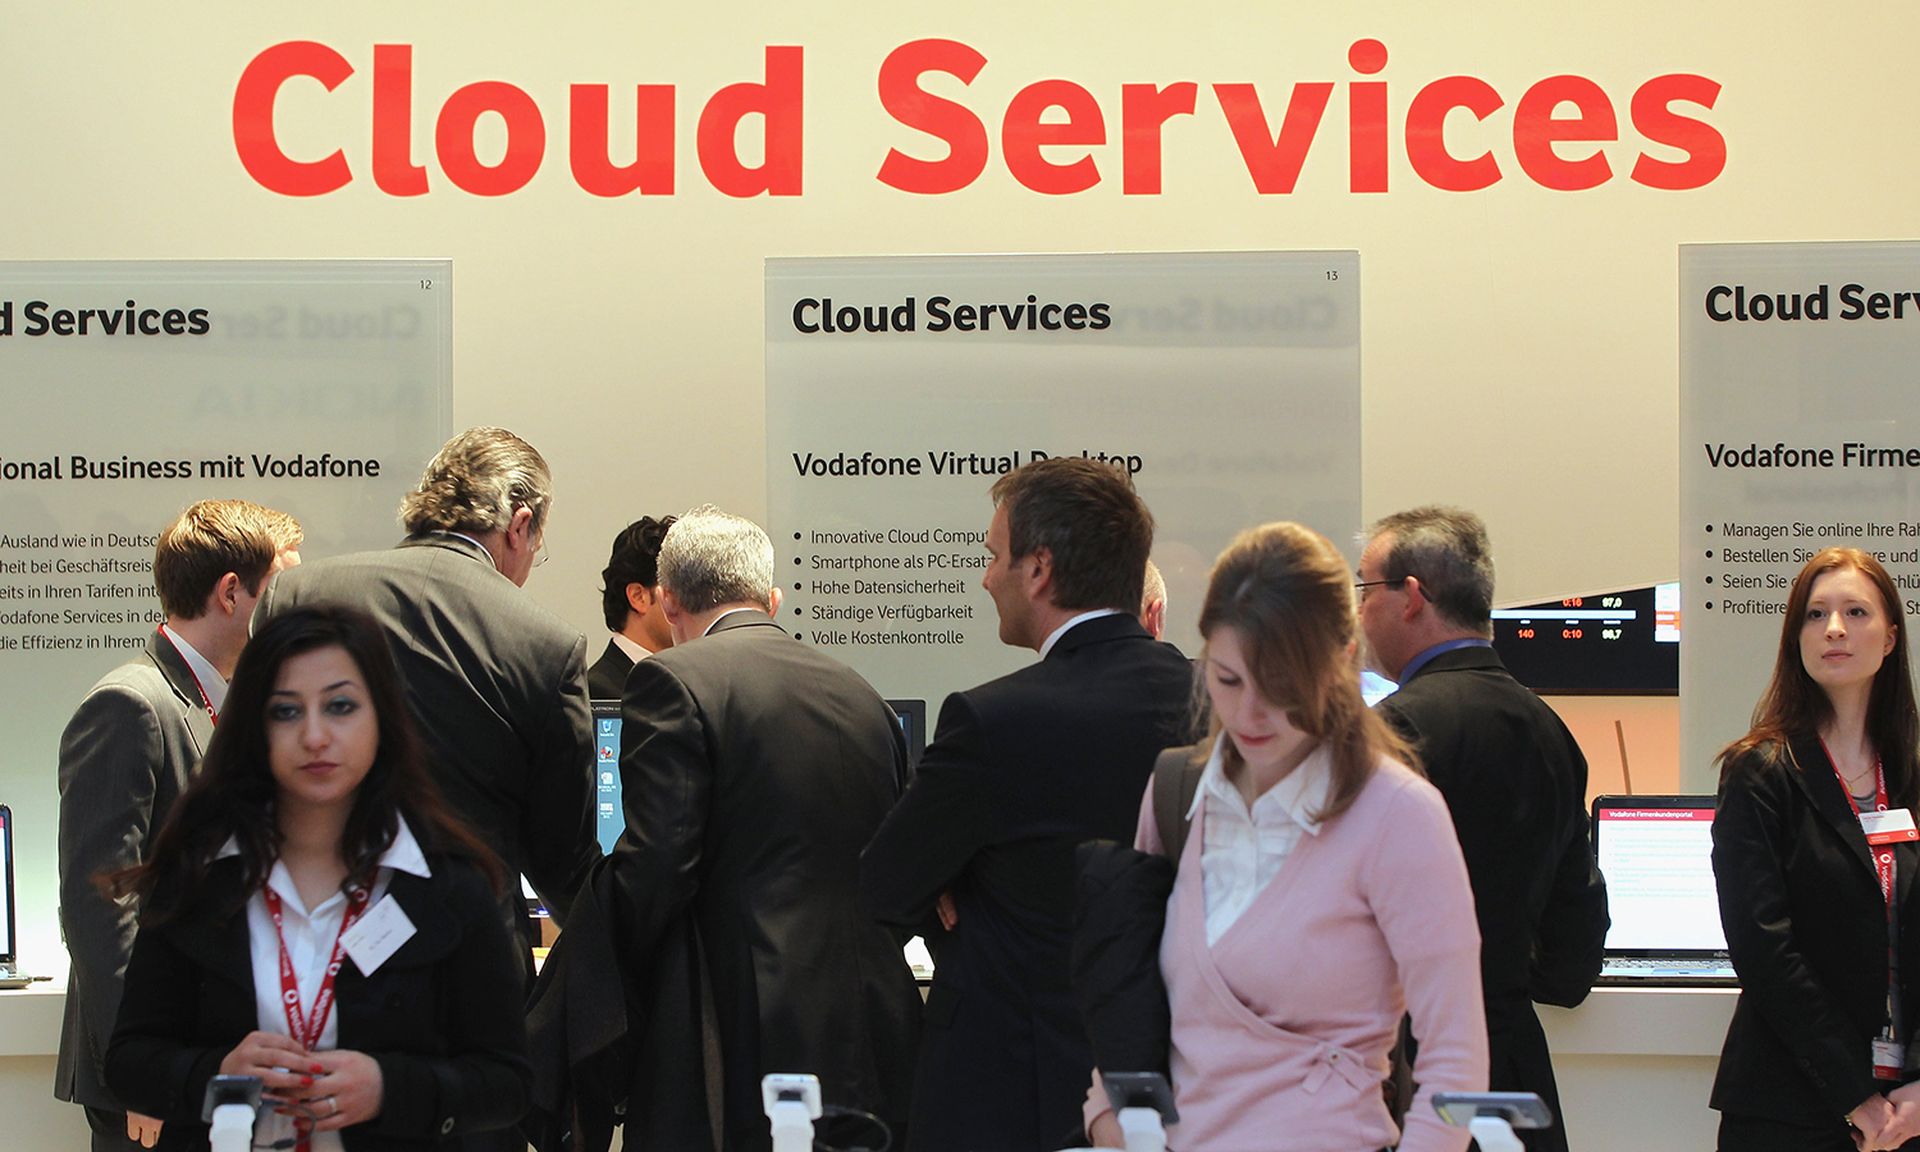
(124, 758)
(498, 687)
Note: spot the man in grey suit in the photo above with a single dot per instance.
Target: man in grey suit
(128, 752)
(496, 683)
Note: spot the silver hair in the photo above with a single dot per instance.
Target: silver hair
(1448, 551)
(1155, 588)
(710, 558)
(476, 482)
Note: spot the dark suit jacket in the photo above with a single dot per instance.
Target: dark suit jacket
(124, 758)
(1020, 771)
(442, 1016)
(498, 687)
(753, 770)
(1807, 929)
(607, 677)
(1516, 784)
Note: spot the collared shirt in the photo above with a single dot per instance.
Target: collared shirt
(211, 682)
(1243, 850)
(727, 613)
(1423, 658)
(1054, 638)
(632, 648)
(310, 934)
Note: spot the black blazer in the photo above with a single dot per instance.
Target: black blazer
(498, 687)
(1515, 783)
(607, 676)
(1020, 771)
(1807, 929)
(443, 1016)
(753, 770)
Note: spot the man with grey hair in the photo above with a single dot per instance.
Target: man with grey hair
(753, 770)
(496, 683)
(1513, 777)
(1153, 602)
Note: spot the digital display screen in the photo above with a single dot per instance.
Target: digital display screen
(1624, 643)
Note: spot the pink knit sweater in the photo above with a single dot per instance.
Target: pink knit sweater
(1281, 1030)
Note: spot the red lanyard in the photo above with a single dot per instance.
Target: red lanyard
(1882, 853)
(1886, 1064)
(206, 701)
(305, 1029)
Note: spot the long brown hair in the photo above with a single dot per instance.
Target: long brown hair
(1286, 590)
(233, 794)
(1793, 704)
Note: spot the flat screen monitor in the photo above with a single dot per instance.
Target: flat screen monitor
(1623, 643)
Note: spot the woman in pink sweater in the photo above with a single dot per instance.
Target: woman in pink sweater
(1321, 892)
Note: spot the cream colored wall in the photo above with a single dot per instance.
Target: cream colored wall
(1647, 726)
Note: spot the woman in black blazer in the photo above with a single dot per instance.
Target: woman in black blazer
(1801, 895)
(313, 796)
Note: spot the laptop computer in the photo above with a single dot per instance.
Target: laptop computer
(10, 975)
(1656, 854)
(912, 715)
(609, 819)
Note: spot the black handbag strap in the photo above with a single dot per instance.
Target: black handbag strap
(1176, 777)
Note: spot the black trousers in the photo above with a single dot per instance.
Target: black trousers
(1740, 1133)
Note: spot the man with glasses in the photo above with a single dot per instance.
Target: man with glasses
(1512, 775)
(497, 684)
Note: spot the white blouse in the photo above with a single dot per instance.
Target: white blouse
(1243, 850)
(310, 934)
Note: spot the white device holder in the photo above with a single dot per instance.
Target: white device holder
(1143, 1130)
(232, 1128)
(792, 1103)
(1494, 1134)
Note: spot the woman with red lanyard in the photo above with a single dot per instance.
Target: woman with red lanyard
(1814, 853)
(313, 915)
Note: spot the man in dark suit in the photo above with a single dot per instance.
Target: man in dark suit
(1020, 771)
(497, 684)
(630, 597)
(127, 754)
(1513, 777)
(754, 769)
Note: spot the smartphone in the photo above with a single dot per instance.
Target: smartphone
(230, 1090)
(1141, 1090)
(1518, 1109)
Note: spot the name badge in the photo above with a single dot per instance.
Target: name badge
(1893, 826)
(378, 935)
(1887, 1059)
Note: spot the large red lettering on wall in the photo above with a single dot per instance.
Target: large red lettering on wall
(1458, 133)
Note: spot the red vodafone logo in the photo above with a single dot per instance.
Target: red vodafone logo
(1563, 132)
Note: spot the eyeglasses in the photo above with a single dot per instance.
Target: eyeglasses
(1361, 586)
(542, 555)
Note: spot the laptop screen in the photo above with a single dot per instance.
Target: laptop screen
(1656, 854)
(6, 884)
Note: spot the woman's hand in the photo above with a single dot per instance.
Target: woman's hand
(143, 1130)
(1904, 1123)
(347, 1090)
(1106, 1133)
(283, 1066)
(1870, 1120)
